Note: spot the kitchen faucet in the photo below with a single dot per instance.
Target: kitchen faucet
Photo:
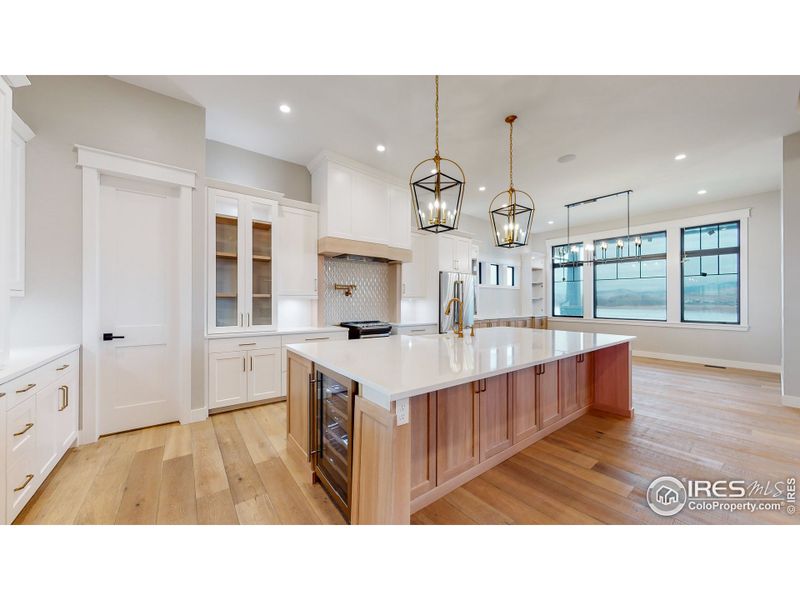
(458, 327)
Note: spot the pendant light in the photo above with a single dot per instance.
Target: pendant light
(511, 211)
(437, 188)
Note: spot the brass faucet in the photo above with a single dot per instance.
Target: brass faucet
(459, 326)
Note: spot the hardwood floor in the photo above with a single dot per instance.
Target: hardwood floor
(232, 468)
(691, 421)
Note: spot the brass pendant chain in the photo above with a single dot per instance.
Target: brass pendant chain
(511, 154)
(437, 117)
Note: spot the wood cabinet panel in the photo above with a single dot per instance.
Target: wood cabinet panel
(457, 426)
(298, 374)
(547, 394)
(422, 417)
(567, 391)
(495, 416)
(525, 421)
(584, 379)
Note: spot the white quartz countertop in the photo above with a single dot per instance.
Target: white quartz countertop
(25, 360)
(287, 331)
(401, 366)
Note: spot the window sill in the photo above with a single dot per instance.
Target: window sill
(711, 326)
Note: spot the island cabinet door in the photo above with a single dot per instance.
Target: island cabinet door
(422, 417)
(298, 396)
(547, 394)
(457, 441)
(584, 380)
(567, 385)
(525, 421)
(495, 416)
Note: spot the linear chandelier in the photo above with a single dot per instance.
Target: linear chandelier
(571, 255)
(437, 195)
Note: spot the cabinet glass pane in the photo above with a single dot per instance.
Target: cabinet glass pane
(227, 261)
(262, 265)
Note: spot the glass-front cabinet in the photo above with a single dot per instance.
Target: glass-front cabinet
(241, 233)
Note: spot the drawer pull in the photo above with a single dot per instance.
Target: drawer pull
(249, 344)
(317, 338)
(25, 430)
(417, 331)
(28, 479)
(30, 386)
(64, 398)
(62, 367)
(2, 394)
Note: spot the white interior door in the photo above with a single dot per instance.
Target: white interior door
(139, 369)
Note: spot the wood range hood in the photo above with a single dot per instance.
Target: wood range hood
(337, 246)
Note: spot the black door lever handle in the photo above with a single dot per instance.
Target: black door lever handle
(107, 337)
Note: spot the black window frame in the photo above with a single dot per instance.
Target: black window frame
(513, 275)
(576, 264)
(637, 258)
(714, 252)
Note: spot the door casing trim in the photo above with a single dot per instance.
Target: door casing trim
(94, 164)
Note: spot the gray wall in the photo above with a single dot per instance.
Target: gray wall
(761, 344)
(111, 115)
(790, 224)
(237, 165)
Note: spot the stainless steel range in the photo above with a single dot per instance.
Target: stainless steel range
(367, 329)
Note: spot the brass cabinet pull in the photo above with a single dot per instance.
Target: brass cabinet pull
(249, 344)
(251, 363)
(314, 339)
(62, 367)
(25, 430)
(244, 363)
(30, 386)
(483, 389)
(28, 479)
(2, 394)
(64, 398)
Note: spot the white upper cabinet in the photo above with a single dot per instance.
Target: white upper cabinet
(241, 262)
(5, 213)
(415, 273)
(359, 203)
(21, 134)
(454, 252)
(297, 232)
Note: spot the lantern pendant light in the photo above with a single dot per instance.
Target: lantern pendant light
(437, 188)
(511, 211)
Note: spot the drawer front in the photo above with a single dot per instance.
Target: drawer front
(22, 481)
(25, 386)
(309, 337)
(20, 429)
(244, 343)
(418, 330)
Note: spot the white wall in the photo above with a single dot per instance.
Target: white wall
(760, 345)
(111, 115)
(237, 165)
(790, 225)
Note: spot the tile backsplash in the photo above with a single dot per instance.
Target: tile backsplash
(370, 299)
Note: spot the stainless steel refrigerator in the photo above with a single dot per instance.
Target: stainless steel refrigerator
(461, 286)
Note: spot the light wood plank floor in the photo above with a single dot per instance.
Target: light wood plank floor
(691, 421)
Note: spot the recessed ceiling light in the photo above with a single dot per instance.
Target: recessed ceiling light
(680, 156)
(380, 148)
(550, 222)
(482, 188)
(702, 192)
(566, 158)
(285, 108)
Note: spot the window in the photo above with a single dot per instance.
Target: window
(567, 281)
(710, 273)
(630, 279)
(494, 274)
(510, 275)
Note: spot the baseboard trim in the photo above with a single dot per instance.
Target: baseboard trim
(198, 414)
(717, 362)
(792, 401)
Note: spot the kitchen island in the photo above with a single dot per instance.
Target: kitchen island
(390, 425)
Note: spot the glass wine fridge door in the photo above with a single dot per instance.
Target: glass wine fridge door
(334, 421)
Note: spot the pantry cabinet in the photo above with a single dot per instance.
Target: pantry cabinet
(241, 265)
(297, 235)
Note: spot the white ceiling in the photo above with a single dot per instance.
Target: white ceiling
(625, 131)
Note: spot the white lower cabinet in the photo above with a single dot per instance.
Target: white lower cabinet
(227, 379)
(40, 414)
(264, 376)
